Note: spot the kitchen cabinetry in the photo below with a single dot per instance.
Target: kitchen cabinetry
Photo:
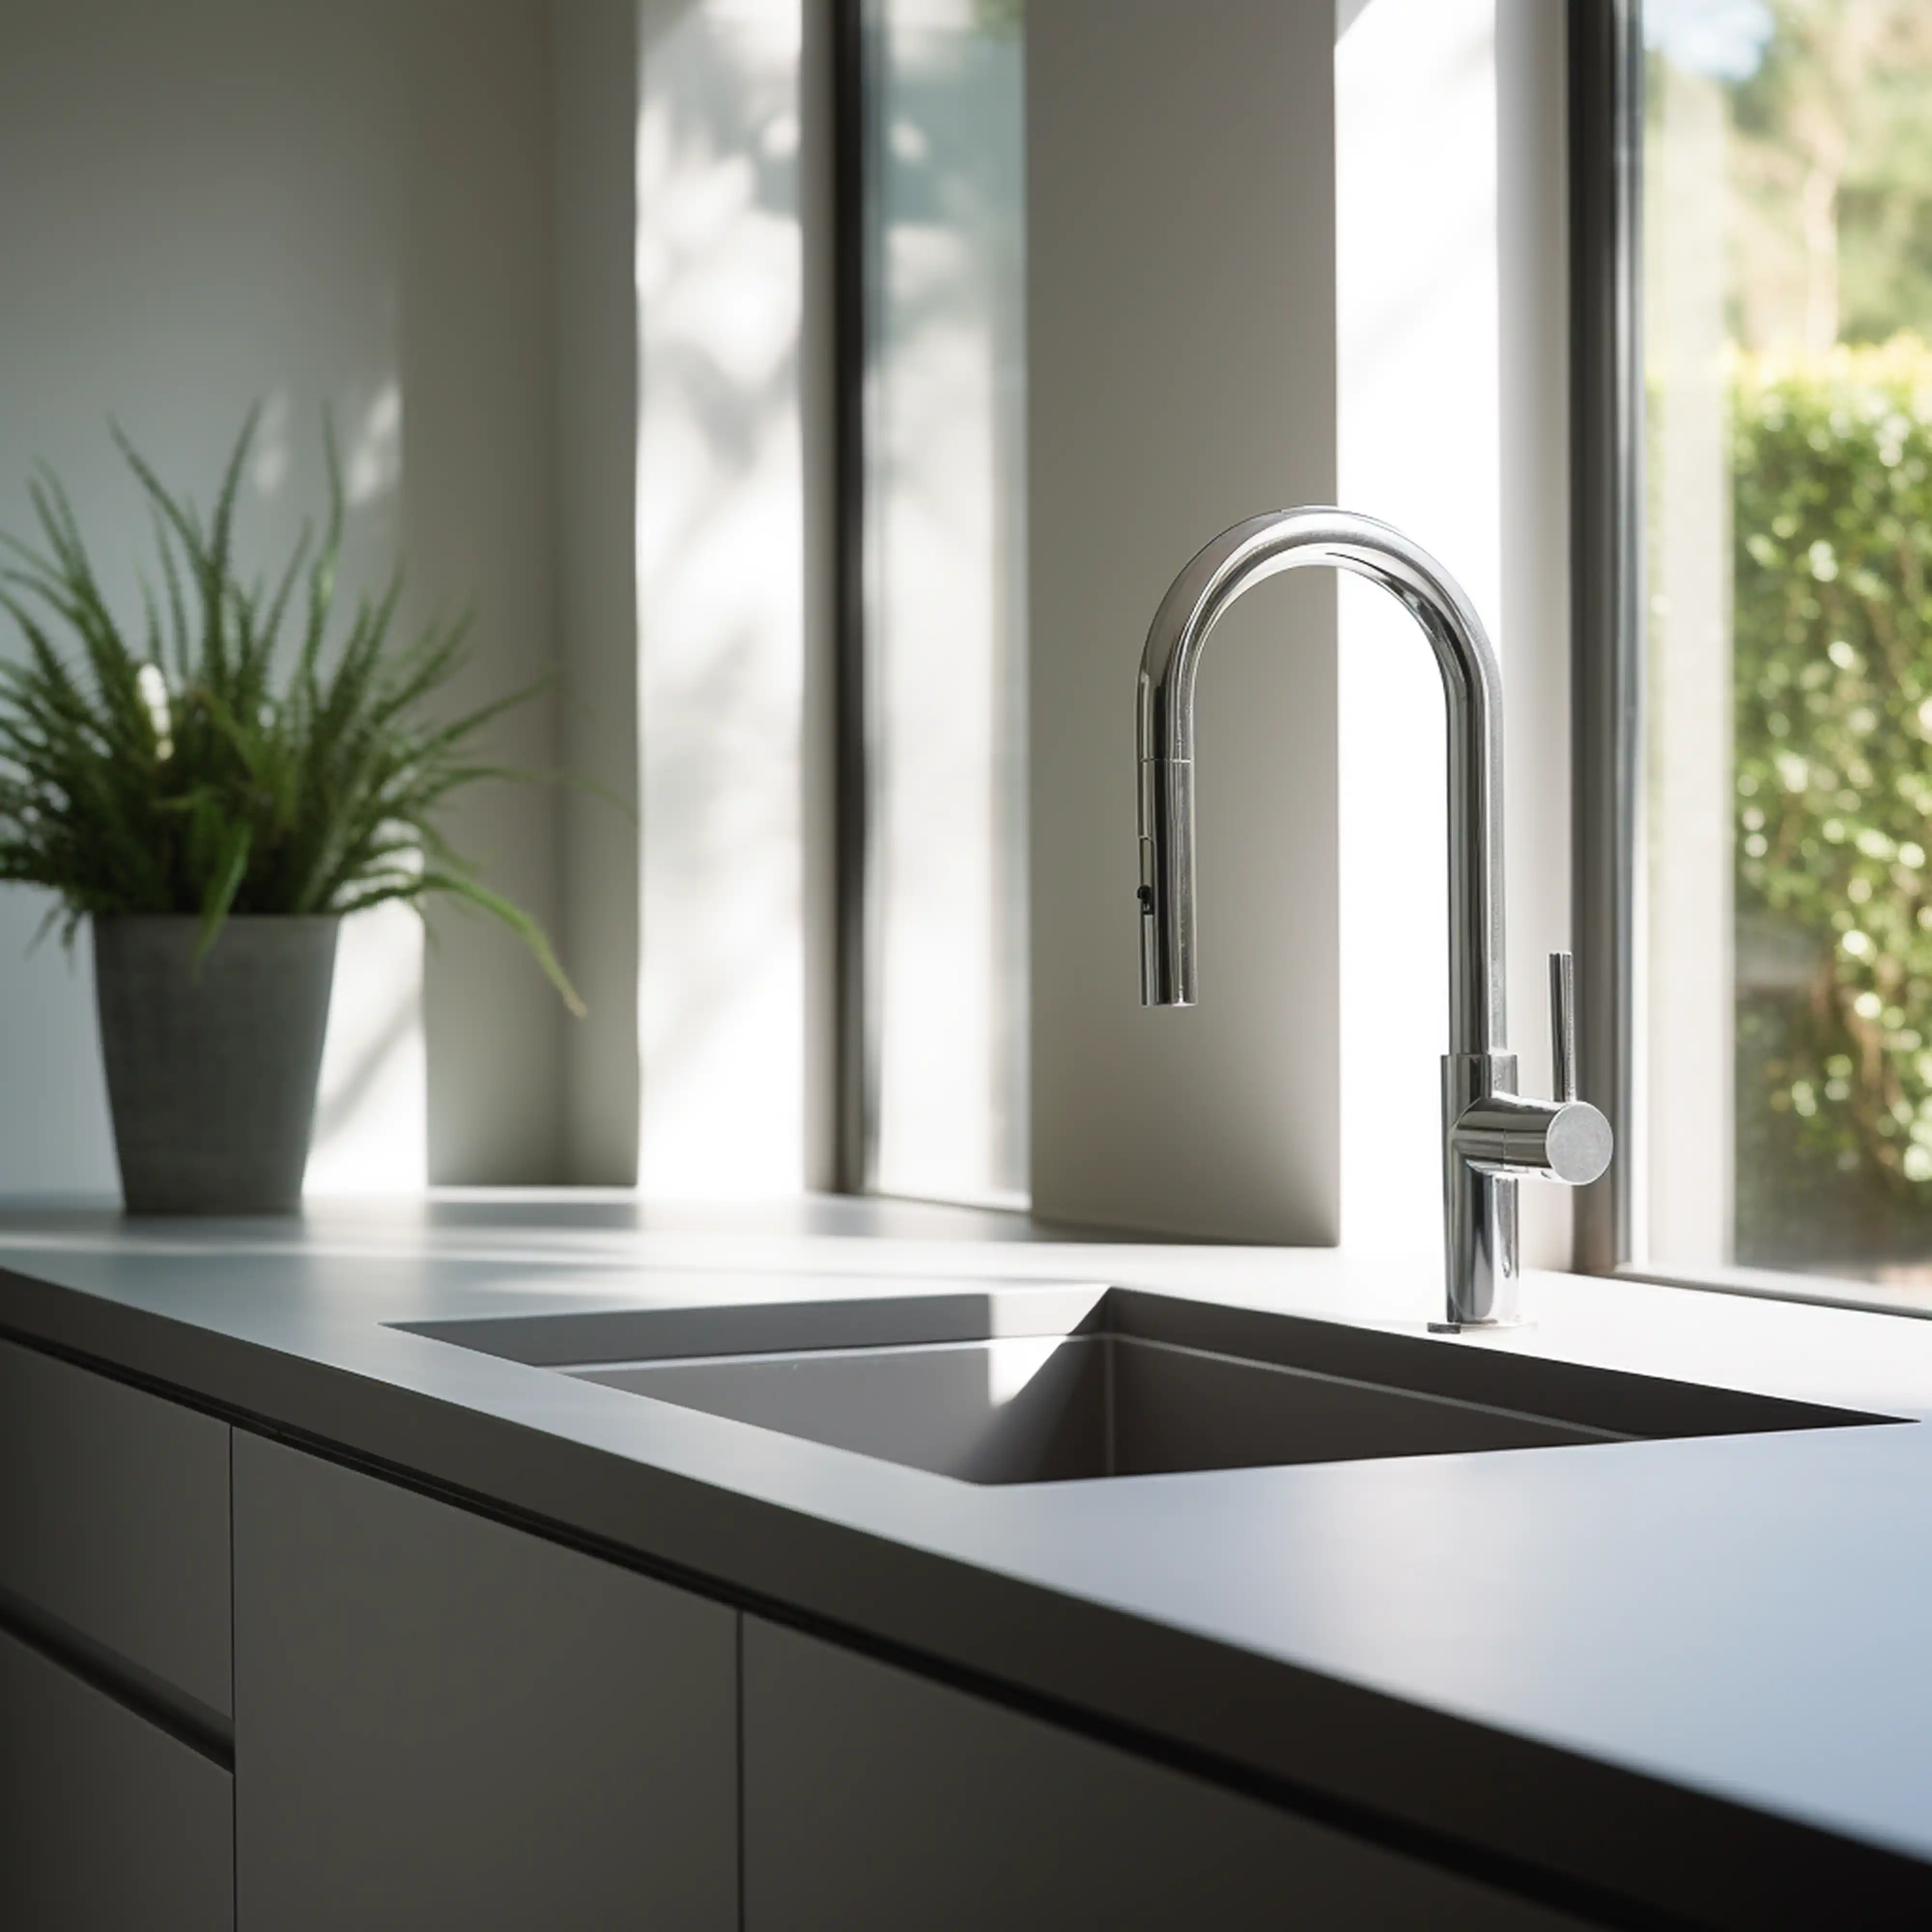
(242, 1683)
(118, 1810)
(876, 1799)
(442, 1720)
(114, 1522)
(108, 1823)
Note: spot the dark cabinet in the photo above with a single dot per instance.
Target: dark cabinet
(114, 1521)
(114, 1544)
(108, 1823)
(876, 1800)
(443, 1721)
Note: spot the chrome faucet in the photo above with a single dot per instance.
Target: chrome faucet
(1491, 1136)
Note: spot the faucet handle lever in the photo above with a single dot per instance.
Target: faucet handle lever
(1563, 1026)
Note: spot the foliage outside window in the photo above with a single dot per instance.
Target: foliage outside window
(1788, 307)
(1832, 650)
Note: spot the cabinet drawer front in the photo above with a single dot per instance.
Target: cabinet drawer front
(440, 1720)
(109, 1825)
(876, 1801)
(114, 1520)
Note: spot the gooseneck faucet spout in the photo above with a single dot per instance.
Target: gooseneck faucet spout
(1491, 1136)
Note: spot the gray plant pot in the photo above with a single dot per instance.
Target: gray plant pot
(212, 1076)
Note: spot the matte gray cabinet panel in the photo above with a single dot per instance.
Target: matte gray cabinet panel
(114, 1518)
(876, 1801)
(442, 1721)
(106, 1824)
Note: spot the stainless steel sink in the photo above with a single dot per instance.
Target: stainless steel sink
(1032, 1384)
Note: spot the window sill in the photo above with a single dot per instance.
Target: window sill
(1873, 1297)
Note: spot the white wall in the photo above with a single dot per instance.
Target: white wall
(596, 56)
(1451, 325)
(1181, 359)
(1533, 348)
(1452, 322)
(423, 211)
(475, 277)
(1419, 432)
(322, 201)
(1270, 267)
(439, 216)
(720, 599)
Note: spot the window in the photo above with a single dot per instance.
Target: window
(937, 1025)
(1772, 788)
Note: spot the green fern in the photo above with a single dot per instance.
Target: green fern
(207, 769)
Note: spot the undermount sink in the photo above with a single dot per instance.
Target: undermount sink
(1053, 1383)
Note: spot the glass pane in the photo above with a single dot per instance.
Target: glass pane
(946, 596)
(1787, 306)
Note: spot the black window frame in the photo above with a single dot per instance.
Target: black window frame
(855, 1118)
(1606, 462)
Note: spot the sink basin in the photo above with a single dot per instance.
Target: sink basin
(1007, 1384)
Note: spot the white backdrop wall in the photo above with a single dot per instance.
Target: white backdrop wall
(1285, 254)
(1451, 325)
(1181, 375)
(595, 93)
(721, 587)
(345, 202)
(475, 277)
(554, 265)
(1419, 431)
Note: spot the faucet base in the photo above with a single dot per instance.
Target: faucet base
(1478, 1205)
(1482, 1327)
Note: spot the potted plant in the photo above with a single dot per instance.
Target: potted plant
(213, 793)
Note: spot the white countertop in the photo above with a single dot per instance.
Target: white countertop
(1742, 1617)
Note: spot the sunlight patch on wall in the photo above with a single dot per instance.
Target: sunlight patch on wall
(720, 600)
(371, 1135)
(1416, 296)
(372, 451)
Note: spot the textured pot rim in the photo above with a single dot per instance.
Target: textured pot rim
(250, 919)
